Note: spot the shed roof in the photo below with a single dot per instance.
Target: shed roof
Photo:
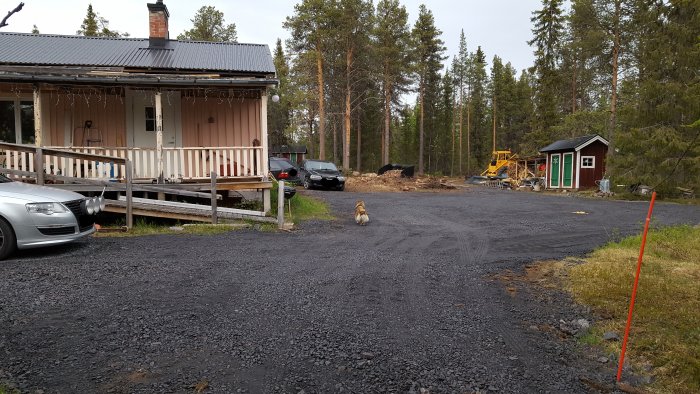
(80, 51)
(574, 143)
(288, 149)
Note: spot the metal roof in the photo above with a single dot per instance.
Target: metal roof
(79, 51)
(573, 143)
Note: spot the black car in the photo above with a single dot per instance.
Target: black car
(284, 170)
(321, 174)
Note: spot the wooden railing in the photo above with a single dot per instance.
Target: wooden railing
(178, 163)
(27, 162)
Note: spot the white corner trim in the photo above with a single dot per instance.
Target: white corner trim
(577, 157)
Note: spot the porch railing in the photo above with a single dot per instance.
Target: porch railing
(179, 164)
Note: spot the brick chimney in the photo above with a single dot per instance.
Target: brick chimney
(158, 24)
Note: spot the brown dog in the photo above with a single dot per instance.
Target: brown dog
(361, 216)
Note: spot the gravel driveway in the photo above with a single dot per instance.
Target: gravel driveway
(404, 304)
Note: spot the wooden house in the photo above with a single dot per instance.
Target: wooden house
(178, 110)
(576, 163)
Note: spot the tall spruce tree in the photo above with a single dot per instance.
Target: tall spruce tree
(479, 109)
(548, 32)
(428, 56)
(95, 25)
(461, 70)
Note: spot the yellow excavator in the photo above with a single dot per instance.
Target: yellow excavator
(500, 160)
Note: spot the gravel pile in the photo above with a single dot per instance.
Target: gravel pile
(404, 304)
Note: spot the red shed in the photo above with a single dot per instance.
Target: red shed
(576, 163)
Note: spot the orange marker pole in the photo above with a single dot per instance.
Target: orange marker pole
(634, 289)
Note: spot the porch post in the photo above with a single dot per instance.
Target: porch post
(263, 131)
(37, 116)
(263, 142)
(159, 135)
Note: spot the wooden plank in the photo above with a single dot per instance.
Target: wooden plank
(173, 205)
(213, 198)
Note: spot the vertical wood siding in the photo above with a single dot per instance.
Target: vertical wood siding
(590, 175)
(107, 113)
(234, 124)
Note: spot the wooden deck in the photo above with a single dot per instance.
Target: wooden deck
(47, 166)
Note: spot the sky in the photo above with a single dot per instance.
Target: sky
(500, 27)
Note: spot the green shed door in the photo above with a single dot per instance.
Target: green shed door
(554, 171)
(568, 170)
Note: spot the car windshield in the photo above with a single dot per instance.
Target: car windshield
(280, 164)
(4, 179)
(320, 165)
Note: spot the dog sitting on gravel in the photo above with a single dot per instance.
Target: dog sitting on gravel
(361, 216)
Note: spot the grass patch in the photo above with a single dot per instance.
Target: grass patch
(666, 323)
(304, 207)
(152, 227)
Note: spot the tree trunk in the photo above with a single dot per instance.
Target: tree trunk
(615, 66)
(387, 122)
(359, 143)
(348, 93)
(321, 108)
(573, 88)
(420, 132)
(494, 125)
(469, 147)
(335, 139)
(452, 157)
(461, 122)
(311, 136)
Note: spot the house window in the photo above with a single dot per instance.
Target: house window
(17, 121)
(588, 162)
(150, 119)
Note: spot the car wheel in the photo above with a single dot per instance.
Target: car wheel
(341, 188)
(8, 241)
(307, 185)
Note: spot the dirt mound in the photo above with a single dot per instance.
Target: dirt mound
(392, 181)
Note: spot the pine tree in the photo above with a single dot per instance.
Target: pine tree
(208, 24)
(279, 113)
(355, 23)
(392, 40)
(428, 55)
(309, 27)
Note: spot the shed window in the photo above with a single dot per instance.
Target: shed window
(588, 162)
(150, 119)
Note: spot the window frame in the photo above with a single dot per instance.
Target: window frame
(16, 101)
(583, 164)
(147, 119)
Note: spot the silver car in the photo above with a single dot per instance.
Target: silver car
(34, 216)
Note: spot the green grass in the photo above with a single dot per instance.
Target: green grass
(303, 207)
(151, 227)
(666, 323)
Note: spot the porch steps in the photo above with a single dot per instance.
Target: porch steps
(184, 211)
